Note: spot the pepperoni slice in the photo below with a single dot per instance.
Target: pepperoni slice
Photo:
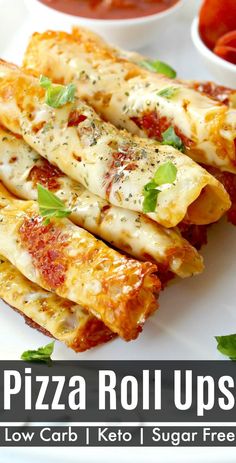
(227, 40)
(216, 18)
(226, 53)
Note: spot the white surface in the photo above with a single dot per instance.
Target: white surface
(222, 71)
(192, 311)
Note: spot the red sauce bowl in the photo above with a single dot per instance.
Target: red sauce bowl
(131, 33)
(110, 9)
(217, 27)
(221, 70)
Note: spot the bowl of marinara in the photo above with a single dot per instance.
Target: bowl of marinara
(214, 36)
(221, 70)
(130, 24)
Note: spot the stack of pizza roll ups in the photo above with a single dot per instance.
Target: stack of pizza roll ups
(197, 117)
(90, 214)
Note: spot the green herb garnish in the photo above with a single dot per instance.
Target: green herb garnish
(45, 82)
(150, 186)
(168, 92)
(57, 95)
(165, 174)
(160, 67)
(150, 200)
(50, 206)
(169, 137)
(42, 354)
(227, 345)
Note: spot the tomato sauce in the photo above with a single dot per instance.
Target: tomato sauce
(47, 175)
(120, 161)
(218, 92)
(196, 235)
(75, 119)
(110, 9)
(229, 181)
(154, 125)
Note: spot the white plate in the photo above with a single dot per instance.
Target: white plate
(192, 311)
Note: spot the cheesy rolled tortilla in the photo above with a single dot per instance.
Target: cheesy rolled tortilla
(213, 90)
(65, 259)
(21, 168)
(134, 98)
(223, 95)
(64, 320)
(113, 164)
(197, 235)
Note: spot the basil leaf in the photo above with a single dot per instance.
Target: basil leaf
(45, 82)
(168, 92)
(166, 173)
(50, 206)
(150, 200)
(160, 67)
(227, 345)
(42, 354)
(149, 186)
(57, 95)
(169, 137)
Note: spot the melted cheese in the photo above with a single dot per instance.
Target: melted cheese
(112, 164)
(64, 320)
(113, 83)
(67, 260)
(124, 229)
